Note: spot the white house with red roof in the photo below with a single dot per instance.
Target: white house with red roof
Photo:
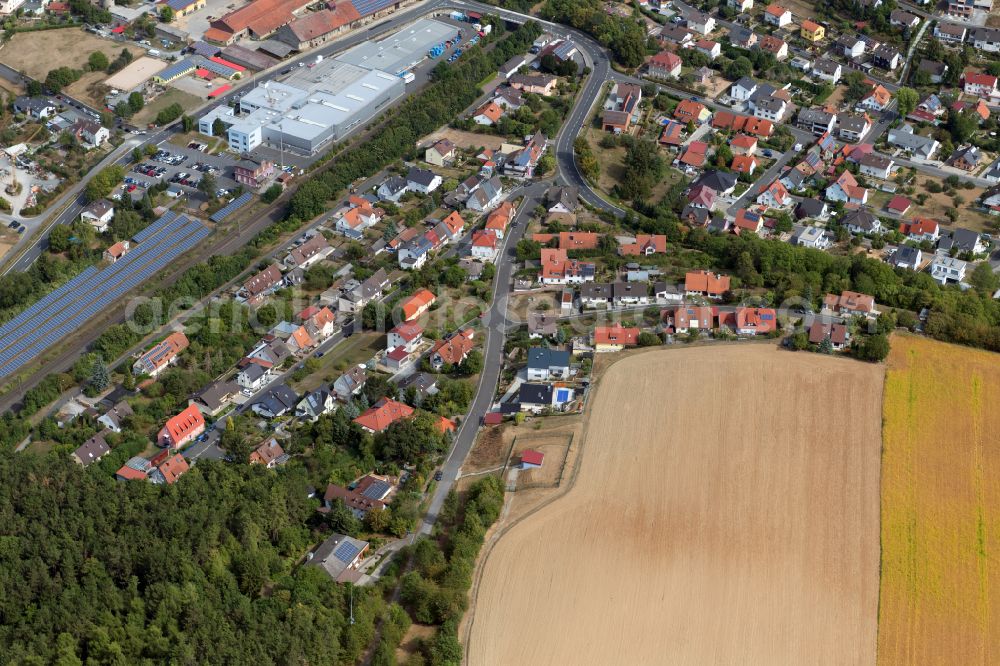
(181, 429)
(846, 189)
(980, 84)
(921, 229)
(774, 195)
(383, 414)
(484, 245)
(777, 15)
(407, 335)
(664, 65)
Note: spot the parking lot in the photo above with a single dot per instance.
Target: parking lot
(181, 167)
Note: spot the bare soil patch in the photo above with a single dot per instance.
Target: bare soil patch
(463, 139)
(35, 53)
(719, 519)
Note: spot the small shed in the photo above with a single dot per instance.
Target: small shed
(531, 459)
(493, 418)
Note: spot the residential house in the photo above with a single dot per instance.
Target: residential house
(91, 134)
(253, 174)
(168, 471)
(837, 334)
(907, 257)
(742, 89)
(947, 269)
(595, 295)
(720, 182)
(699, 22)
(356, 295)
(950, 32)
(629, 294)
(350, 383)
(921, 229)
(424, 181)
(181, 429)
(694, 155)
(705, 283)
(740, 5)
(315, 404)
(853, 127)
(664, 65)
(644, 245)
(664, 293)
(846, 189)
(547, 364)
(537, 398)
(903, 19)
(452, 350)
(277, 401)
(814, 237)
(851, 304)
(39, 108)
(561, 199)
(861, 221)
(877, 99)
(621, 108)
(775, 46)
(753, 321)
(875, 165)
(980, 84)
(539, 84)
(744, 164)
(113, 418)
(962, 240)
(99, 214)
(161, 355)
(777, 15)
(383, 414)
(702, 196)
(267, 453)
(91, 451)
(359, 503)
(407, 336)
(919, 147)
(312, 251)
(770, 107)
(985, 39)
(258, 287)
(966, 158)
(413, 254)
(392, 189)
(521, 163)
(828, 70)
(812, 31)
(215, 397)
(116, 252)
(614, 338)
(850, 46)
(887, 57)
(689, 111)
(748, 221)
(511, 66)
(935, 70)
(709, 48)
(418, 303)
(486, 195)
(440, 153)
(340, 556)
(742, 37)
(488, 114)
(558, 268)
(810, 208)
(774, 195)
(817, 121)
(757, 127)
(253, 377)
(675, 34)
(743, 144)
(685, 318)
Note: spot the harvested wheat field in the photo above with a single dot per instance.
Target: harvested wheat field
(940, 502)
(725, 512)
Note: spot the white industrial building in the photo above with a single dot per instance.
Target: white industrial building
(323, 102)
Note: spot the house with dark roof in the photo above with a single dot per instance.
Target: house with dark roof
(537, 398)
(340, 556)
(277, 401)
(547, 364)
(91, 451)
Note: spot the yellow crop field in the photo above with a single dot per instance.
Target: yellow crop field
(940, 506)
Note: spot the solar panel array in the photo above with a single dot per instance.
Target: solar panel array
(156, 226)
(90, 293)
(175, 70)
(366, 7)
(346, 552)
(377, 490)
(231, 207)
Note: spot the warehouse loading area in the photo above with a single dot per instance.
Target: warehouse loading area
(323, 101)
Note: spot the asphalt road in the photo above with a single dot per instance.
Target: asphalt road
(495, 327)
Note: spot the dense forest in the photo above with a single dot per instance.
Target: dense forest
(202, 572)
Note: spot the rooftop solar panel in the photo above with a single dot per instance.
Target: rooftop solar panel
(377, 490)
(346, 552)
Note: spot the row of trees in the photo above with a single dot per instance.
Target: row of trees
(625, 37)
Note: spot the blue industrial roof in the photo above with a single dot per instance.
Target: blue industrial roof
(366, 7)
(205, 49)
(178, 5)
(177, 69)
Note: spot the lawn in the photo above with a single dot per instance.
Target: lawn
(940, 495)
(356, 349)
(148, 113)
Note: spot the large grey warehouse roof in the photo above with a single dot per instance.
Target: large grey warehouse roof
(323, 109)
(403, 49)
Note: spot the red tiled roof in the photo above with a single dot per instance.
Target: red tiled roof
(173, 468)
(454, 350)
(899, 204)
(616, 335)
(188, 421)
(490, 110)
(707, 282)
(417, 303)
(532, 457)
(408, 330)
(382, 414)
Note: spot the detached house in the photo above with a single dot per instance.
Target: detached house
(664, 65)
(547, 364)
(383, 414)
(852, 128)
(614, 338)
(922, 229)
(862, 221)
(488, 114)
(776, 47)
(979, 84)
(258, 287)
(877, 99)
(846, 189)
(875, 165)
(947, 269)
(777, 15)
(453, 350)
(424, 181)
(558, 268)
(181, 429)
(816, 121)
(441, 153)
(919, 147)
(828, 70)
(161, 355)
(837, 334)
(621, 108)
(812, 31)
(99, 214)
(851, 304)
(705, 283)
(774, 195)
